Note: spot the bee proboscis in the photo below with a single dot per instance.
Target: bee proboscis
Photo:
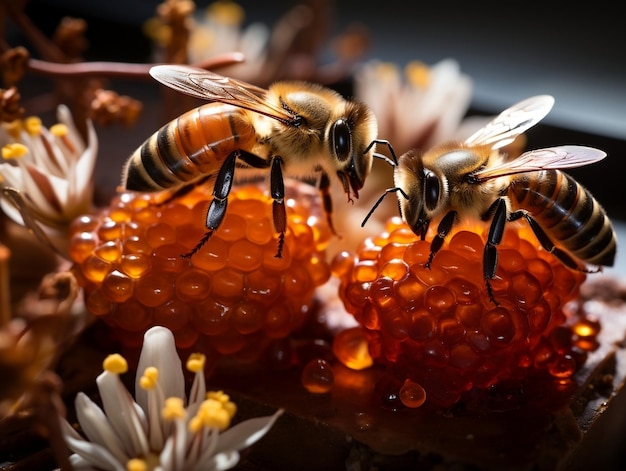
(475, 179)
(295, 129)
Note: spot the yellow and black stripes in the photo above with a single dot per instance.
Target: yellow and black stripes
(187, 149)
(568, 213)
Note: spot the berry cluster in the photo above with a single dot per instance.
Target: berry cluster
(438, 330)
(231, 296)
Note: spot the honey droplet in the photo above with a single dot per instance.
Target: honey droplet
(318, 376)
(412, 394)
(351, 348)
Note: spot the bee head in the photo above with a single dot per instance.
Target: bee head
(349, 138)
(424, 192)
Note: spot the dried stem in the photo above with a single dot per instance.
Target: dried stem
(118, 69)
(5, 289)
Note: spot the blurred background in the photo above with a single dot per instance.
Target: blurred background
(575, 53)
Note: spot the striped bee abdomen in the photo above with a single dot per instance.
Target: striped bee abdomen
(568, 213)
(188, 148)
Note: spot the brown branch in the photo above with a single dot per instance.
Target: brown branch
(45, 47)
(118, 69)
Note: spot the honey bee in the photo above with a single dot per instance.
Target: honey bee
(476, 179)
(294, 129)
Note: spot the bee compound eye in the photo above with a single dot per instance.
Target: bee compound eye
(341, 141)
(432, 188)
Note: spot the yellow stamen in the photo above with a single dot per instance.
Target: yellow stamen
(149, 378)
(219, 396)
(226, 13)
(224, 400)
(195, 424)
(212, 414)
(418, 74)
(115, 363)
(195, 362)
(32, 125)
(386, 71)
(173, 409)
(14, 150)
(59, 130)
(136, 464)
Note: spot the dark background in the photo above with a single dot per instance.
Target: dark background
(510, 50)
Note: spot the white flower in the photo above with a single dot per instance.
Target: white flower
(218, 29)
(47, 173)
(159, 430)
(421, 109)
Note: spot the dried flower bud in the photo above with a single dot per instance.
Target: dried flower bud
(10, 107)
(13, 65)
(70, 37)
(176, 10)
(107, 107)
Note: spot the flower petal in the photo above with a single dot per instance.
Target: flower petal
(125, 416)
(172, 456)
(80, 178)
(64, 115)
(159, 350)
(226, 460)
(97, 428)
(246, 433)
(96, 455)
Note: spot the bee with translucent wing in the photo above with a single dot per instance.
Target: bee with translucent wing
(474, 179)
(293, 129)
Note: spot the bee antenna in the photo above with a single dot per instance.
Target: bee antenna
(380, 200)
(393, 161)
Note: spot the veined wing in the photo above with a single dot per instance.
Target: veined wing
(544, 159)
(512, 122)
(210, 86)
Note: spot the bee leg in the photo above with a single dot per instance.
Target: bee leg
(490, 254)
(277, 189)
(443, 229)
(324, 187)
(217, 208)
(547, 244)
(393, 161)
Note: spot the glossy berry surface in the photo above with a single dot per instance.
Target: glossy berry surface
(437, 330)
(232, 296)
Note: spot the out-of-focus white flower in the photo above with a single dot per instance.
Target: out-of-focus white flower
(160, 429)
(423, 108)
(47, 173)
(218, 29)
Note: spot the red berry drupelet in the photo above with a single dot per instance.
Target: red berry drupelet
(437, 330)
(232, 296)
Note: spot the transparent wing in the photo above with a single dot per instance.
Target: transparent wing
(210, 86)
(512, 122)
(543, 159)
